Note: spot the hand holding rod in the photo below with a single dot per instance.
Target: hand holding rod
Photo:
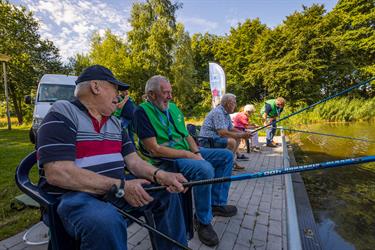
(319, 102)
(279, 171)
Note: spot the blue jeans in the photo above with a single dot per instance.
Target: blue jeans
(271, 131)
(217, 163)
(219, 142)
(99, 226)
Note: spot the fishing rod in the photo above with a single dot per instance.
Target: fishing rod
(332, 135)
(150, 228)
(313, 105)
(111, 198)
(279, 171)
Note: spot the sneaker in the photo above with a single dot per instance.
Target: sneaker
(242, 157)
(207, 234)
(237, 166)
(224, 211)
(271, 145)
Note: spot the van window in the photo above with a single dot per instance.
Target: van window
(54, 92)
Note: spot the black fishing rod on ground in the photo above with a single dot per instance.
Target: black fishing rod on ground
(313, 105)
(279, 171)
(152, 229)
(331, 135)
(110, 197)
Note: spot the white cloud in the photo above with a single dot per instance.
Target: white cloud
(70, 23)
(203, 24)
(233, 22)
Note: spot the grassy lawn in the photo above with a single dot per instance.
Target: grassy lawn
(14, 146)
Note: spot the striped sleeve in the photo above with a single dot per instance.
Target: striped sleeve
(127, 144)
(56, 139)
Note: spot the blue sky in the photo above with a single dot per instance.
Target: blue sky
(70, 23)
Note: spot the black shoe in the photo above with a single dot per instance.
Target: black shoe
(207, 234)
(224, 211)
(242, 157)
(271, 145)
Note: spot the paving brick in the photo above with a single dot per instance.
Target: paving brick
(227, 241)
(265, 206)
(274, 243)
(219, 228)
(241, 247)
(260, 232)
(137, 238)
(251, 209)
(275, 214)
(248, 222)
(255, 200)
(275, 228)
(262, 218)
(258, 244)
(277, 203)
(233, 226)
(244, 236)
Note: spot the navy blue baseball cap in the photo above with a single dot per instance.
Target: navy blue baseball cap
(99, 72)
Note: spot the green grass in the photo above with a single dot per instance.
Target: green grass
(15, 146)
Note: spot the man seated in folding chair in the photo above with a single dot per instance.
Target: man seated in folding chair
(82, 152)
(161, 128)
(218, 125)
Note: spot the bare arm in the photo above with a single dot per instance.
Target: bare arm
(157, 150)
(233, 134)
(67, 175)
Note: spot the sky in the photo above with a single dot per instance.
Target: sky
(71, 23)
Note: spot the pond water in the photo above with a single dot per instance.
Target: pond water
(342, 199)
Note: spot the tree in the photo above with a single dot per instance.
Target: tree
(234, 54)
(183, 71)
(111, 52)
(31, 55)
(151, 41)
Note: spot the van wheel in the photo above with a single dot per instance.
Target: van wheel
(32, 136)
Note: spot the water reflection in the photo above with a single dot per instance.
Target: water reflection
(343, 199)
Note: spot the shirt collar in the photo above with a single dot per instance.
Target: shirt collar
(223, 109)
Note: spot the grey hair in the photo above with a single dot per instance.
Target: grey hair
(153, 84)
(226, 98)
(81, 88)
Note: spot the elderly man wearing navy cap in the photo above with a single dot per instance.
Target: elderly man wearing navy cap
(82, 153)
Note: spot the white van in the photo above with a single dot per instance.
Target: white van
(51, 88)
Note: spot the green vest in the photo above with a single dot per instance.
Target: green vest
(273, 112)
(167, 134)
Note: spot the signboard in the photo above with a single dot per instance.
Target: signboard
(217, 83)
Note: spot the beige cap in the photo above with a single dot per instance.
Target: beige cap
(249, 108)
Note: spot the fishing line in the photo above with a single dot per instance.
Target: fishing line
(313, 105)
(331, 135)
(279, 171)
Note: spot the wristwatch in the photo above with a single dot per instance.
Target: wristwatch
(120, 190)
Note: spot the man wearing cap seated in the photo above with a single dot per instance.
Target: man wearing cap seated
(160, 125)
(82, 152)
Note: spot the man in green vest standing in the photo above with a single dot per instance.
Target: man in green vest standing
(270, 112)
(160, 126)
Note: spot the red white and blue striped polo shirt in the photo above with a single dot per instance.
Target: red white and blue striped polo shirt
(69, 132)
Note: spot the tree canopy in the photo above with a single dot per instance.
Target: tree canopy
(312, 54)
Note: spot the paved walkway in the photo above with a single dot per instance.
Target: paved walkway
(259, 224)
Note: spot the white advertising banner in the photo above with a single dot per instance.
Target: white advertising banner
(217, 83)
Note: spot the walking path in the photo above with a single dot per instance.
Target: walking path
(259, 224)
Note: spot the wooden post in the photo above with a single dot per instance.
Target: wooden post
(4, 59)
